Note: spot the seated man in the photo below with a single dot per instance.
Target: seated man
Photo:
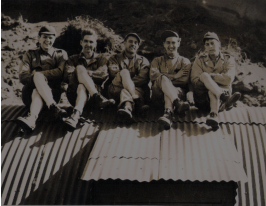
(41, 72)
(85, 73)
(212, 75)
(170, 79)
(129, 73)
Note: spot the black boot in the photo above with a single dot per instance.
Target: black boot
(57, 112)
(28, 123)
(101, 102)
(166, 119)
(73, 120)
(140, 108)
(180, 107)
(125, 112)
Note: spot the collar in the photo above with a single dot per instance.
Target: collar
(166, 56)
(94, 55)
(50, 51)
(126, 57)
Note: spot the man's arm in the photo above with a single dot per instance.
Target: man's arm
(143, 77)
(101, 72)
(154, 70)
(56, 73)
(228, 74)
(25, 73)
(182, 76)
(196, 71)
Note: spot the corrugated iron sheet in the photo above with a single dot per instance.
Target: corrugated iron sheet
(250, 141)
(187, 151)
(44, 167)
(139, 140)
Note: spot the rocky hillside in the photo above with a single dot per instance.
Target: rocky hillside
(114, 20)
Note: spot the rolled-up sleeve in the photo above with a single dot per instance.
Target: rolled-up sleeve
(196, 71)
(25, 74)
(228, 74)
(154, 70)
(57, 73)
(143, 76)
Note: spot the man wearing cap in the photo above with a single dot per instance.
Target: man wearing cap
(129, 73)
(169, 75)
(85, 73)
(41, 72)
(212, 75)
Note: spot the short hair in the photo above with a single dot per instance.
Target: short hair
(90, 32)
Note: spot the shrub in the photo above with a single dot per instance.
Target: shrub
(69, 40)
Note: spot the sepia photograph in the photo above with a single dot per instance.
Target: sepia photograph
(133, 102)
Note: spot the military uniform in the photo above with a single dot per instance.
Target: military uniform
(223, 73)
(96, 67)
(160, 67)
(50, 64)
(139, 72)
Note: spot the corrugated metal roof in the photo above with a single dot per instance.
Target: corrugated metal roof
(41, 167)
(187, 151)
(250, 141)
(139, 140)
(45, 167)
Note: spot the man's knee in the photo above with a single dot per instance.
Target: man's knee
(38, 77)
(81, 69)
(124, 73)
(205, 76)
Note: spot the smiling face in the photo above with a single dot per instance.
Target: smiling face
(46, 41)
(171, 45)
(88, 43)
(212, 46)
(131, 45)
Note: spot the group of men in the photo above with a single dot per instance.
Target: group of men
(176, 83)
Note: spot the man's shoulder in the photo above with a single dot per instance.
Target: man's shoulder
(185, 60)
(143, 59)
(116, 57)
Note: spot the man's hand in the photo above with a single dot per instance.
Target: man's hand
(181, 73)
(90, 72)
(190, 98)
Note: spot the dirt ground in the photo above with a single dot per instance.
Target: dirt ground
(243, 38)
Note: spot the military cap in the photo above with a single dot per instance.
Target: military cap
(133, 34)
(210, 35)
(47, 30)
(168, 33)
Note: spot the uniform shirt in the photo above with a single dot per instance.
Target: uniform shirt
(138, 68)
(223, 72)
(96, 67)
(50, 64)
(164, 65)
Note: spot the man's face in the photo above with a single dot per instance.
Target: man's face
(46, 41)
(88, 43)
(171, 44)
(131, 45)
(212, 46)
